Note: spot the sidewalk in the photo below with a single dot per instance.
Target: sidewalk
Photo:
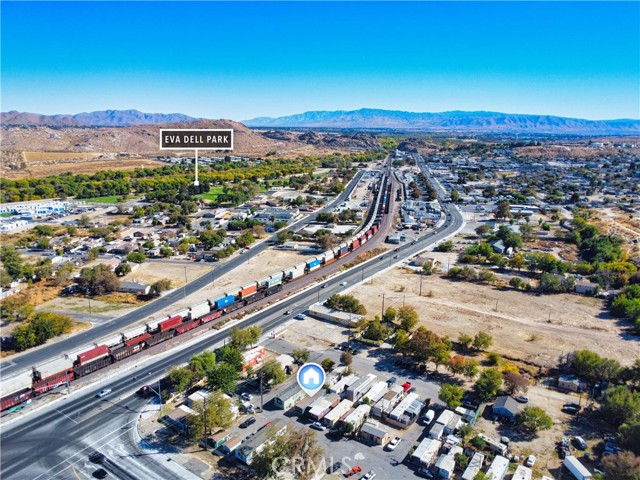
(184, 465)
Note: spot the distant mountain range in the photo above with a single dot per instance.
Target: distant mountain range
(455, 121)
(105, 118)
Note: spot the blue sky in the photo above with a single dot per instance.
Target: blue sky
(240, 60)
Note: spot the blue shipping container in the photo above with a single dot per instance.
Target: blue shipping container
(225, 302)
(343, 249)
(313, 263)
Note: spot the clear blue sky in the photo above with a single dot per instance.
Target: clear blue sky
(240, 60)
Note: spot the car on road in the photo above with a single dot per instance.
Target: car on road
(396, 256)
(103, 393)
(522, 399)
(300, 316)
(370, 475)
(97, 457)
(246, 396)
(288, 312)
(391, 446)
(318, 426)
(100, 473)
(353, 471)
(325, 285)
(343, 284)
(248, 422)
(334, 467)
(391, 381)
(531, 459)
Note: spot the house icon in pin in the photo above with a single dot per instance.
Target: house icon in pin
(311, 377)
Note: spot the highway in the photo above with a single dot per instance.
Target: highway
(19, 363)
(49, 442)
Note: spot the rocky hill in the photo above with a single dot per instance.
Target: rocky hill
(455, 121)
(105, 118)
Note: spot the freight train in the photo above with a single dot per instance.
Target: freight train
(89, 359)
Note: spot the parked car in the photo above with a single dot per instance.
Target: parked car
(318, 426)
(103, 393)
(424, 472)
(248, 422)
(391, 381)
(247, 396)
(406, 386)
(100, 473)
(371, 474)
(353, 471)
(580, 443)
(391, 446)
(334, 467)
(531, 459)
(570, 409)
(522, 399)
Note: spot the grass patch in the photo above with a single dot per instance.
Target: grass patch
(120, 297)
(212, 194)
(109, 199)
(94, 309)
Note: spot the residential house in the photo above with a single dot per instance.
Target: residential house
(371, 432)
(426, 452)
(506, 407)
(288, 397)
(135, 287)
(498, 468)
(332, 418)
(259, 441)
(571, 383)
(473, 467)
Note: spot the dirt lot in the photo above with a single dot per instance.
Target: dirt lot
(527, 327)
(43, 164)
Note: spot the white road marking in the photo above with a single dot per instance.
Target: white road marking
(66, 416)
(88, 446)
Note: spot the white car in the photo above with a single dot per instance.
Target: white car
(391, 446)
(103, 393)
(531, 459)
(343, 284)
(318, 426)
(300, 316)
(246, 396)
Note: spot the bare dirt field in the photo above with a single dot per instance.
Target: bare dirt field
(77, 163)
(150, 272)
(526, 327)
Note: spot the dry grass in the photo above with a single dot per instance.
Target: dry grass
(77, 166)
(36, 294)
(36, 157)
(118, 297)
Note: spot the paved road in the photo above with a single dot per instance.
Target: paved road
(48, 442)
(20, 363)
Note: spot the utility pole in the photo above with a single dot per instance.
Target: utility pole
(184, 287)
(382, 314)
(421, 275)
(261, 392)
(204, 439)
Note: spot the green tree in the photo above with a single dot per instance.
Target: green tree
(408, 317)
(327, 364)
(136, 257)
(161, 285)
(628, 435)
(503, 210)
(621, 405)
(231, 355)
(623, 466)
(301, 355)
(487, 385)
(465, 340)
(400, 341)
(273, 372)
(451, 395)
(98, 280)
(217, 412)
(514, 383)
(123, 269)
(461, 461)
(471, 368)
(375, 330)
(482, 341)
(483, 230)
(533, 419)
(180, 378)
(346, 358)
(201, 363)
(389, 315)
(479, 442)
(11, 261)
(39, 328)
(223, 377)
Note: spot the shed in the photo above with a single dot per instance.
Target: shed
(371, 432)
(230, 445)
(571, 383)
(505, 406)
(218, 439)
(522, 473)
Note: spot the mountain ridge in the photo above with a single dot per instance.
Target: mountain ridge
(100, 118)
(454, 121)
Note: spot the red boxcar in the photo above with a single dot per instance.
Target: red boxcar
(188, 326)
(42, 386)
(14, 399)
(97, 352)
(126, 351)
(170, 323)
(211, 316)
(138, 339)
